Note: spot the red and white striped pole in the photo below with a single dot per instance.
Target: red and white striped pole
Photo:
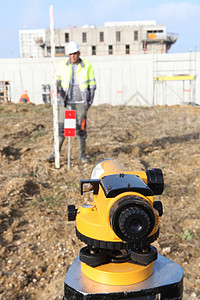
(69, 129)
(54, 91)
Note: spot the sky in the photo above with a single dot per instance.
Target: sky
(180, 17)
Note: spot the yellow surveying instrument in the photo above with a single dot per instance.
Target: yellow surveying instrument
(118, 228)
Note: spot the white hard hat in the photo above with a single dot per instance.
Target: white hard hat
(72, 47)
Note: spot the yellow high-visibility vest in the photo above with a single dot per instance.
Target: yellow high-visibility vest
(84, 74)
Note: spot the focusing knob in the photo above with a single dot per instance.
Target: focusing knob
(71, 212)
(159, 207)
(155, 181)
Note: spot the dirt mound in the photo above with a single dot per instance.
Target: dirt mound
(37, 242)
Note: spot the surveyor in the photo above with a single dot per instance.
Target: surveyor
(24, 98)
(76, 86)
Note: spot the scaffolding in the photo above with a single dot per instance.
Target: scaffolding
(5, 91)
(182, 83)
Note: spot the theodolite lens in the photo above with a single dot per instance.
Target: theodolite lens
(134, 223)
(132, 218)
(135, 226)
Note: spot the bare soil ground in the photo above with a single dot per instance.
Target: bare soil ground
(37, 242)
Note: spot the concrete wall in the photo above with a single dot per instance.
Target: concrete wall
(120, 80)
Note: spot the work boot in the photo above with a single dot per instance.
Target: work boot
(51, 157)
(81, 142)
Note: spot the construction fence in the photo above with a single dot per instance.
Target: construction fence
(145, 80)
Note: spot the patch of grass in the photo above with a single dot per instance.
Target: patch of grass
(25, 175)
(48, 201)
(164, 191)
(27, 141)
(72, 185)
(38, 134)
(33, 174)
(187, 235)
(2, 107)
(10, 115)
(186, 275)
(40, 108)
(145, 107)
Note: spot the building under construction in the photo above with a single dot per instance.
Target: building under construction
(114, 38)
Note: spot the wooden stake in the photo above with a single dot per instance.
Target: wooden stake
(54, 91)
